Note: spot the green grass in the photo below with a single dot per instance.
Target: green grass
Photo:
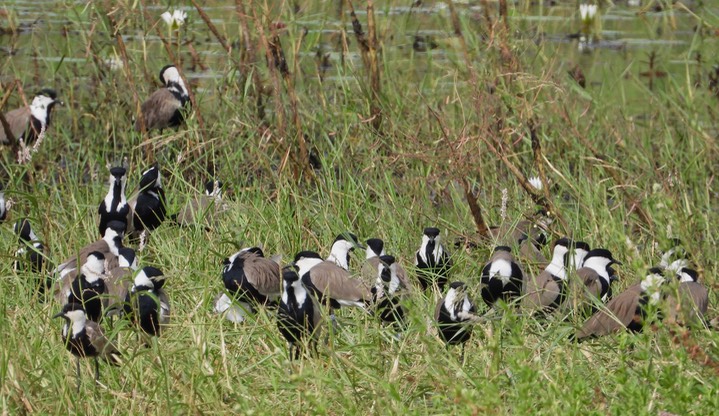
(663, 142)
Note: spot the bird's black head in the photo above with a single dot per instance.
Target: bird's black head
(307, 255)
(152, 272)
(690, 273)
(656, 270)
(564, 241)
(128, 254)
(52, 95)
(602, 252)
(349, 237)
(118, 172)
(456, 285)
(162, 73)
(503, 248)
(581, 245)
(376, 245)
(289, 274)
(23, 230)
(431, 232)
(48, 92)
(387, 259)
(69, 310)
(213, 187)
(150, 178)
(155, 275)
(116, 226)
(255, 250)
(96, 254)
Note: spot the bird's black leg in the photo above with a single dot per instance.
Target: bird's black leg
(461, 355)
(77, 375)
(97, 371)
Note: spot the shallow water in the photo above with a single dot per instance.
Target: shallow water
(54, 33)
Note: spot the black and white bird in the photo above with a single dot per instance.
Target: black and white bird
(109, 246)
(147, 304)
(85, 338)
(374, 250)
(330, 283)
(532, 229)
(252, 279)
(580, 252)
(502, 277)
(86, 288)
(432, 261)
(148, 208)
(298, 318)
(203, 209)
(454, 314)
(114, 207)
(389, 291)
(27, 123)
(3, 206)
(628, 310)
(595, 273)
(548, 290)
(165, 106)
(119, 279)
(31, 254)
(343, 245)
(688, 302)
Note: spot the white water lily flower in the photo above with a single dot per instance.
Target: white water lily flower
(587, 11)
(536, 182)
(174, 20)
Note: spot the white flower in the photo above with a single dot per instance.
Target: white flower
(174, 20)
(536, 182)
(587, 11)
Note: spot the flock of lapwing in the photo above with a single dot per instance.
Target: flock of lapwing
(103, 279)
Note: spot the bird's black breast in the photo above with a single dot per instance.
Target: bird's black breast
(149, 210)
(294, 320)
(451, 331)
(89, 295)
(80, 345)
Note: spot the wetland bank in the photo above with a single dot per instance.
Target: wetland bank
(436, 115)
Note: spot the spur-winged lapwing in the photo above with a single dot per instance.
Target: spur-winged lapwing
(109, 246)
(147, 303)
(115, 206)
(546, 291)
(454, 314)
(27, 123)
(688, 302)
(251, 278)
(627, 309)
(343, 245)
(502, 277)
(298, 317)
(432, 261)
(148, 208)
(164, 108)
(86, 287)
(84, 338)
(203, 209)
